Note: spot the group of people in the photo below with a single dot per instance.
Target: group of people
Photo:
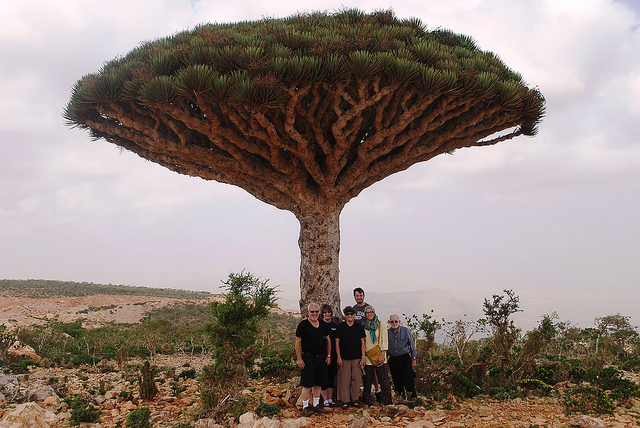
(338, 356)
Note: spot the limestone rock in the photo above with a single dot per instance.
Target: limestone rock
(485, 411)
(265, 422)
(206, 423)
(584, 421)
(18, 351)
(246, 420)
(420, 424)
(28, 415)
(295, 423)
(9, 384)
(359, 422)
(39, 392)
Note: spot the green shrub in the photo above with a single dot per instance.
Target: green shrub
(81, 412)
(23, 366)
(588, 399)
(545, 373)
(502, 393)
(267, 409)
(187, 374)
(535, 385)
(147, 384)
(279, 367)
(463, 387)
(139, 418)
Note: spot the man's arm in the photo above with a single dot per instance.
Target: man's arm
(299, 352)
(328, 360)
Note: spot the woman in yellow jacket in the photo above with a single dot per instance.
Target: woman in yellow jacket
(376, 345)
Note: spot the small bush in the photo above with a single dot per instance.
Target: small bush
(588, 399)
(148, 388)
(278, 367)
(501, 393)
(187, 374)
(84, 413)
(463, 387)
(535, 385)
(139, 418)
(267, 409)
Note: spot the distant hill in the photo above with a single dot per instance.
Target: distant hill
(418, 302)
(40, 288)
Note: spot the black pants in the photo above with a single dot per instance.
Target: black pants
(402, 375)
(382, 372)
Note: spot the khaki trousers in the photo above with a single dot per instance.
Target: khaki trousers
(349, 381)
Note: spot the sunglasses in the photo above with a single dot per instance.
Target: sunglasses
(394, 322)
(349, 314)
(314, 312)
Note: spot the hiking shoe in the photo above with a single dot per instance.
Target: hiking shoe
(345, 406)
(307, 411)
(319, 409)
(355, 404)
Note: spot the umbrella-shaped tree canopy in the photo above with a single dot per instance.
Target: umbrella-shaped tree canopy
(305, 112)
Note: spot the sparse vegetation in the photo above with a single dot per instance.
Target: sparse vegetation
(588, 370)
(39, 288)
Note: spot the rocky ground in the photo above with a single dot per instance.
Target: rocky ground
(34, 399)
(37, 396)
(95, 310)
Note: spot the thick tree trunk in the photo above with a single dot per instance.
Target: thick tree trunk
(319, 259)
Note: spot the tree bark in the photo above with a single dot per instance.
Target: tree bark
(319, 259)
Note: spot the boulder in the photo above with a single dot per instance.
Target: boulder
(9, 384)
(295, 423)
(18, 351)
(246, 420)
(206, 423)
(359, 422)
(28, 415)
(265, 422)
(584, 421)
(38, 392)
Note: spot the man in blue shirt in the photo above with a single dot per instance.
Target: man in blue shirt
(401, 356)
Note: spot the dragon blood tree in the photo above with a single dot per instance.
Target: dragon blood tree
(305, 112)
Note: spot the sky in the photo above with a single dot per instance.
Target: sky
(554, 217)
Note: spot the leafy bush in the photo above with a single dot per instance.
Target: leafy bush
(279, 367)
(267, 409)
(188, 374)
(23, 366)
(139, 418)
(233, 335)
(81, 412)
(502, 393)
(588, 399)
(463, 387)
(545, 373)
(535, 385)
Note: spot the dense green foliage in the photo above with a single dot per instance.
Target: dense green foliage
(247, 63)
(139, 418)
(83, 412)
(39, 288)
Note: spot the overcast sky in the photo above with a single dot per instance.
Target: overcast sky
(556, 217)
